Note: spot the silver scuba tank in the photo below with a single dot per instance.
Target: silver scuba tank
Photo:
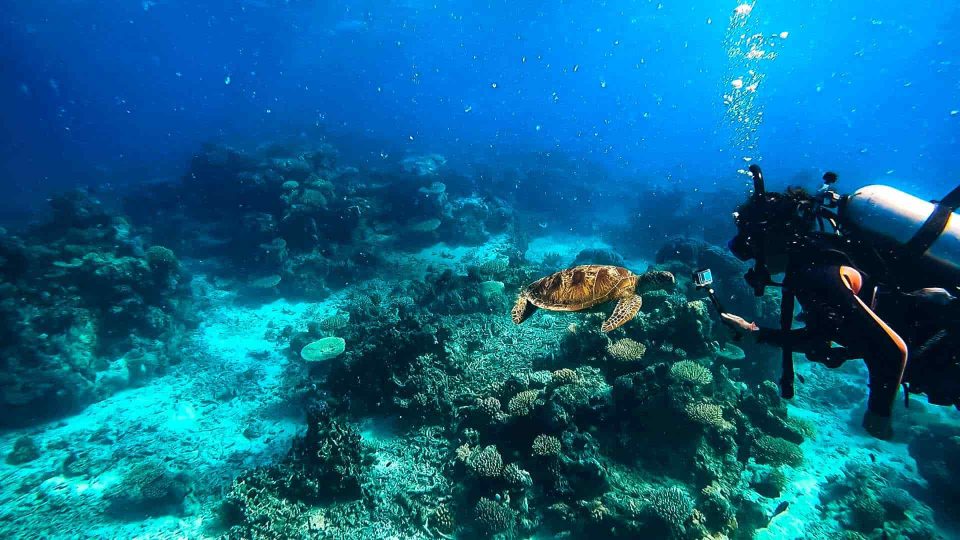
(894, 217)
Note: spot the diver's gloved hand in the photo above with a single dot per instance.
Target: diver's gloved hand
(877, 425)
(740, 328)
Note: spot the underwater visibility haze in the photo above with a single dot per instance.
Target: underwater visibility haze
(297, 269)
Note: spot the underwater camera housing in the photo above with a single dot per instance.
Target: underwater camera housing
(703, 280)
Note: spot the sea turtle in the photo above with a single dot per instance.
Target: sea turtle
(582, 287)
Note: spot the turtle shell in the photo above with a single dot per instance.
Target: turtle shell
(577, 288)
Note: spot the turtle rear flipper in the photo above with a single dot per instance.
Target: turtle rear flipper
(626, 309)
(522, 310)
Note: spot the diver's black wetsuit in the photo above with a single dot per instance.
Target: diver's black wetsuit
(836, 301)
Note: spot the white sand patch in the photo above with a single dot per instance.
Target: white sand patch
(195, 419)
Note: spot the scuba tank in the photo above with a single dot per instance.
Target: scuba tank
(903, 239)
(894, 219)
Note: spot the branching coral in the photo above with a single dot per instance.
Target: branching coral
(690, 372)
(777, 451)
(486, 463)
(627, 350)
(524, 402)
(148, 489)
(708, 414)
(672, 506)
(546, 445)
(517, 477)
(494, 517)
(564, 376)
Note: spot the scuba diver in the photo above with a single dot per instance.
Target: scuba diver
(876, 274)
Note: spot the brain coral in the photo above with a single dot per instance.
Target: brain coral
(323, 349)
(627, 350)
(690, 372)
(777, 451)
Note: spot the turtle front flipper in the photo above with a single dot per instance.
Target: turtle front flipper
(522, 309)
(626, 309)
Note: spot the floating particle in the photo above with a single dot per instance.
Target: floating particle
(709, 20)
(576, 68)
(468, 108)
(603, 83)
(226, 80)
(783, 35)
(954, 112)
(493, 85)
(537, 127)
(737, 83)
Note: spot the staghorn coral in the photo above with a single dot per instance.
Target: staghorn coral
(545, 445)
(777, 451)
(486, 463)
(627, 350)
(524, 402)
(691, 373)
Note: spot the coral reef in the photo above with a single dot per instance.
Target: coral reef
(430, 414)
(327, 463)
(86, 308)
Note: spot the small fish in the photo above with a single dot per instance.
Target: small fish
(937, 295)
(781, 508)
(873, 457)
(801, 379)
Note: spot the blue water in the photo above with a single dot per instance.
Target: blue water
(562, 126)
(124, 89)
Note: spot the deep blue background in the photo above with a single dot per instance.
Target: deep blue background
(123, 91)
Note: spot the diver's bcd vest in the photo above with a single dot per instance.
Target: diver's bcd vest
(925, 233)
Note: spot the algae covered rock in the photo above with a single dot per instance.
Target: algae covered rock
(24, 450)
(149, 489)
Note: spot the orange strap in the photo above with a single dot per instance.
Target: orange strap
(854, 281)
